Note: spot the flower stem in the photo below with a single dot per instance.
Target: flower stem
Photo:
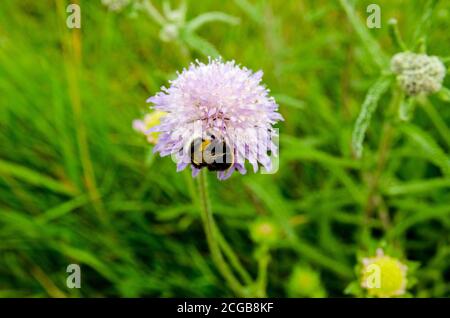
(232, 257)
(395, 35)
(263, 263)
(209, 226)
(153, 12)
(374, 198)
(437, 120)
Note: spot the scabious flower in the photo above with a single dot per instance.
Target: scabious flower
(418, 73)
(383, 276)
(144, 125)
(223, 98)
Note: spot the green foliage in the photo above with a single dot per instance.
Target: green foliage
(367, 109)
(78, 185)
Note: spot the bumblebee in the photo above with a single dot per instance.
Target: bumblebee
(211, 152)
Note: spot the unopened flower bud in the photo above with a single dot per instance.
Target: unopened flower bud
(305, 282)
(264, 231)
(418, 73)
(144, 125)
(169, 32)
(115, 5)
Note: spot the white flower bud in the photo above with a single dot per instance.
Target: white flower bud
(115, 5)
(169, 32)
(418, 73)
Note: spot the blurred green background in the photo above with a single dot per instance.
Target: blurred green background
(78, 185)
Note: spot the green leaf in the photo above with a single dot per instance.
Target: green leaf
(200, 45)
(438, 212)
(406, 109)
(429, 147)
(437, 119)
(63, 209)
(280, 211)
(425, 22)
(289, 101)
(395, 35)
(251, 10)
(444, 94)
(89, 258)
(34, 178)
(371, 45)
(208, 17)
(421, 186)
(367, 109)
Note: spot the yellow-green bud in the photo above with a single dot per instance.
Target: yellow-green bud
(264, 231)
(305, 282)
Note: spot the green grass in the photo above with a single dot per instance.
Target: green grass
(78, 185)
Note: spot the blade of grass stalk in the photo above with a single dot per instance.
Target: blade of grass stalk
(353, 188)
(173, 212)
(289, 101)
(65, 142)
(46, 283)
(71, 43)
(250, 10)
(371, 45)
(63, 209)
(85, 257)
(208, 17)
(444, 94)
(367, 109)
(429, 147)
(200, 45)
(35, 178)
(329, 199)
(441, 212)
(152, 12)
(395, 35)
(422, 186)
(17, 221)
(280, 212)
(297, 150)
(425, 22)
(437, 120)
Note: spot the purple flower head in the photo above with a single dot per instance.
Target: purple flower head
(223, 100)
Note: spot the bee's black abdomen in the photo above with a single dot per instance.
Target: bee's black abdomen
(218, 156)
(215, 166)
(212, 153)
